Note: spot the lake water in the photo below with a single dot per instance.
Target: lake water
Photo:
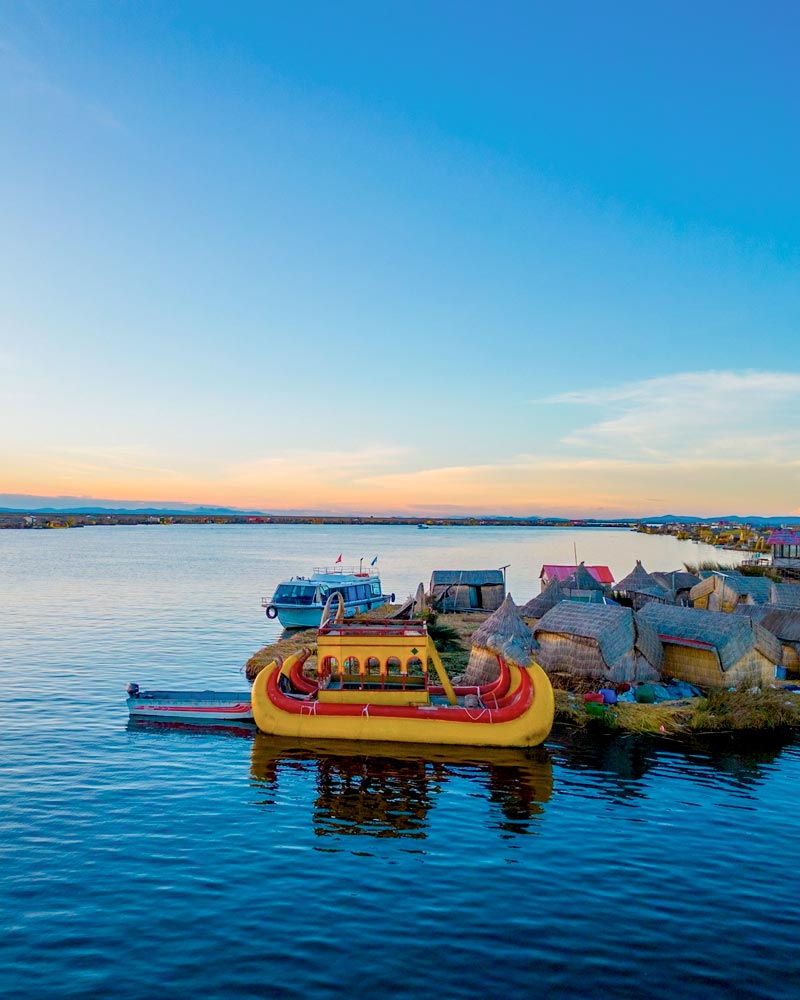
(139, 860)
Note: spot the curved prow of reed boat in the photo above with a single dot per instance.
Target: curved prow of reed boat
(293, 669)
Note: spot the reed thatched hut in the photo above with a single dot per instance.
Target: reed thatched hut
(504, 633)
(639, 587)
(678, 583)
(599, 642)
(784, 624)
(541, 604)
(723, 591)
(581, 585)
(712, 648)
(467, 589)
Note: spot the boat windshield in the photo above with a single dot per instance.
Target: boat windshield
(295, 593)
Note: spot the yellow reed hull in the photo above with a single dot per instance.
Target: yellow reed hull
(529, 729)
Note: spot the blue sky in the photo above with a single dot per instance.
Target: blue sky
(524, 258)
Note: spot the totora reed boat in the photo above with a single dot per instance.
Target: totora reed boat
(373, 683)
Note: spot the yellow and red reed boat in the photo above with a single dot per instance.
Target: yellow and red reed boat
(373, 683)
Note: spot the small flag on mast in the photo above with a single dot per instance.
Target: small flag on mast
(374, 561)
(340, 558)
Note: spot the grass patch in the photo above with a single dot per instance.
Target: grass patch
(746, 708)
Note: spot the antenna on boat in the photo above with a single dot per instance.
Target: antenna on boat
(361, 565)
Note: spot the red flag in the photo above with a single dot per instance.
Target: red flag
(340, 557)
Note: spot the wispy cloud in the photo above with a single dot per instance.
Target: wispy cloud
(84, 460)
(331, 464)
(712, 415)
(698, 442)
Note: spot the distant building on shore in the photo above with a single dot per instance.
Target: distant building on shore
(785, 546)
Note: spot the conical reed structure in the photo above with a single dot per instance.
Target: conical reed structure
(541, 604)
(504, 633)
(639, 587)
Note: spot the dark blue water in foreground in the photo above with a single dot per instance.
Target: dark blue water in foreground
(143, 860)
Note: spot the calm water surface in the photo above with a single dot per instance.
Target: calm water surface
(140, 860)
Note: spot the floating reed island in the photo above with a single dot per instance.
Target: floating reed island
(632, 656)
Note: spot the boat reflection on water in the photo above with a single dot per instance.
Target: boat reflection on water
(166, 727)
(387, 790)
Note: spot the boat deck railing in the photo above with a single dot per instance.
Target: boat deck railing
(339, 570)
(376, 627)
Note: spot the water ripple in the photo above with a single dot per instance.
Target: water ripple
(143, 857)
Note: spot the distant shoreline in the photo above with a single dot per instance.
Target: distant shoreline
(65, 519)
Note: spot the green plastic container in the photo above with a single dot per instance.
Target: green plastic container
(593, 708)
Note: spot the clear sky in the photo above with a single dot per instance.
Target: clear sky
(527, 258)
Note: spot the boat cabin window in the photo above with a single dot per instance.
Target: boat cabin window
(329, 665)
(373, 664)
(351, 665)
(414, 665)
(393, 665)
(294, 593)
(376, 588)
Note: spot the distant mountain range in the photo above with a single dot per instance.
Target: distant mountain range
(16, 503)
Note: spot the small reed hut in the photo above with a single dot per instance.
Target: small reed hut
(678, 583)
(598, 642)
(503, 633)
(784, 624)
(723, 591)
(541, 604)
(638, 587)
(581, 585)
(467, 589)
(711, 648)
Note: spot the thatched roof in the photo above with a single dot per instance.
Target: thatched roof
(732, 636)
(784, 623)
(616, 630)
(785, 595)
(639, 581)
(582, 579)
(506, 633)
(466, 578)
(676, 581)
(756, 587)
(541, 604)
